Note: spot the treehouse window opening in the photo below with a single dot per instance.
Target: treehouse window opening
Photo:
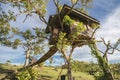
(55, 32)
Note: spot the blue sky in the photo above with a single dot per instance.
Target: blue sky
(106, 11)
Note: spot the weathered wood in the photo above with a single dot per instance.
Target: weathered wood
(54, 26)
(53, 20)
(77, 14)
(50, 53)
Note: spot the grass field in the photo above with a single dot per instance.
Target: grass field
(46, 73)
(7, 69)
(49, 73)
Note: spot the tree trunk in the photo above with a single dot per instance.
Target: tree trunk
(68, 60)
(27, 58)
(102, 63)
(108, 74)
(68, 64)
(69, 71)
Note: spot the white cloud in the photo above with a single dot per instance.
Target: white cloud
(17, 64)
(30, 22)
(110, 27)
(110, 30)
(10, 54)
(114, 56)
(83, 54)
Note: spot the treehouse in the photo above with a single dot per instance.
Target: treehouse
(73, 23)
(78, 27)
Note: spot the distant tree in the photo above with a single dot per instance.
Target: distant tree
(8, 62)
(33, 43)
(6, 31)
(31, 40)
(51, 60)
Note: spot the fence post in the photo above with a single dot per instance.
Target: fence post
(62, 77)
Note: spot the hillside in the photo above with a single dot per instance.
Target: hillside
(45, 73)
(80, 70)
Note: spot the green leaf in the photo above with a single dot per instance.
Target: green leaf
(95, 25)
(67, 20)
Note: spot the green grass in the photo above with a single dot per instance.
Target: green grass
(5, 69)
(46, 73)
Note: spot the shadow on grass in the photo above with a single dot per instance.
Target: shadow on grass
(3, 70)
(9, 73)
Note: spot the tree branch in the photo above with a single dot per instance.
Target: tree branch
(37, 11)
(93, 32)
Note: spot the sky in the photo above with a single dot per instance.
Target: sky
(106, 11)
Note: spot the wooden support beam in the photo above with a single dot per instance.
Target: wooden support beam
(50, 53)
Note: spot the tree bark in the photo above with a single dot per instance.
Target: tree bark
(68, 60)
(69, 71)
(108, 74)
(27, 58)
(69, 64)
(50, 53)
